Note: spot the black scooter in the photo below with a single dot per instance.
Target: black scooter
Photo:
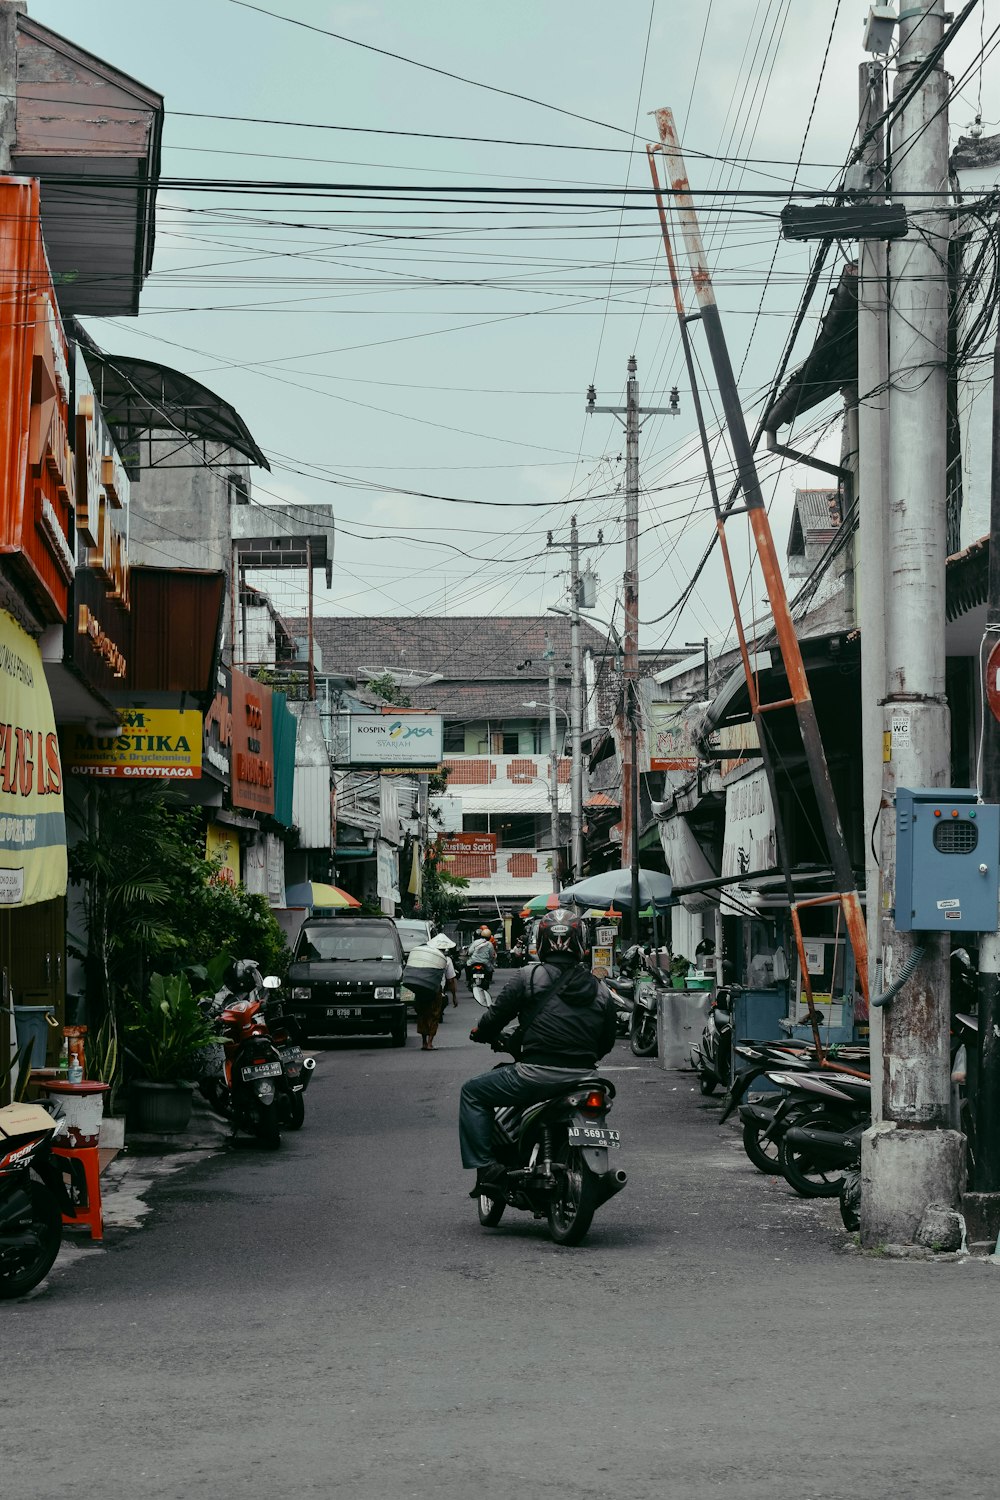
(711, 1058)
(558, 1156)
(31, 1211)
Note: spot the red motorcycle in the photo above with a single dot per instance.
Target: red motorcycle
(247, 1085)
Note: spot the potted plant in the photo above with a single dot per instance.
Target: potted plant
(163, 1035)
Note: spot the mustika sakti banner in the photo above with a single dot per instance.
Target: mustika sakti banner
(32, 819)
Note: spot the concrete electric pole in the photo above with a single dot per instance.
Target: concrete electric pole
(555, 833)
(574, 547)
(910, 1157)
(629, 709)
(9, 12)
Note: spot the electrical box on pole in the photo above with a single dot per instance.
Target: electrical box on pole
(947, 860)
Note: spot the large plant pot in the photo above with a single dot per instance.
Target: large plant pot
(159, 1108)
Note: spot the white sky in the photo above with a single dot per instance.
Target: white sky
(337, 328)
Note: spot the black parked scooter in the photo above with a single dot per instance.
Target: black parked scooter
(711, 1058)
(558, 1155)
(30, 1210)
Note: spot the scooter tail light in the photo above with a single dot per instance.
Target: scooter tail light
(595, 1099)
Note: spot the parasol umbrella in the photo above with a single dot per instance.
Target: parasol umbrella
(315, 894)
(539, 904)
(614, 888)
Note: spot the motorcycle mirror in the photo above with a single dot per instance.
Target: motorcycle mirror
(272, 982)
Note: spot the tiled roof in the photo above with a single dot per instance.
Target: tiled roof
(489, 664)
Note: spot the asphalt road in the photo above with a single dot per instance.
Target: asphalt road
(331, 1320)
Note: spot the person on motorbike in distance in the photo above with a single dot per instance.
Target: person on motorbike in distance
(567, 1025)
(481, 951)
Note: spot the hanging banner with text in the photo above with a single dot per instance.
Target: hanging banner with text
(749, 839)
(150, 744)
(32, 822)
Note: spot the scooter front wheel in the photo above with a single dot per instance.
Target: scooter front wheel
(23, 1267)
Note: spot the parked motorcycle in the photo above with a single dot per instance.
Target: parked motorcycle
(298, 1069)
(558, 1156)
(30, 1210)
(248, 1086)
(643, 1037)
(622, 992)
(808, 1126)
(711, 1057)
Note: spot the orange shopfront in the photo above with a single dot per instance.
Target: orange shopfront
(36, 570)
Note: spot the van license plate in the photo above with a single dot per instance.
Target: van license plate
(346, 1012)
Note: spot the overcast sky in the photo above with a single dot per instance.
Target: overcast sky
(375, 348)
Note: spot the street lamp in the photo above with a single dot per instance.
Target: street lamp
(553, 775)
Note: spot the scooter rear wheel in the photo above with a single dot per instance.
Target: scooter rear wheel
(573, 1203)
(22, 1270)
(295, 1116)
(708, 1083)
(642, 1039)
(267, 1127)
(808, 1178)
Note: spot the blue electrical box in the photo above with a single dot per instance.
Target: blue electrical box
(947, 861)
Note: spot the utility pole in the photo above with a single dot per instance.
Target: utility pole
(910, 1158)
(9, 12)
(553, 767)
(574, 547)
(982, 1208)
(575, 709)
(873, 464)
(628, 709)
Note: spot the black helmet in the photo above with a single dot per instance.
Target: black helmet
(561, 931)
(243, 976)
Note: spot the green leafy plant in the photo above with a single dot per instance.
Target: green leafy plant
(104, 1058)
(166, 1029)
(152, 902)
(388, 689)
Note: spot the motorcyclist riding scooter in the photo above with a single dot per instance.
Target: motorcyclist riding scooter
(567, 1023)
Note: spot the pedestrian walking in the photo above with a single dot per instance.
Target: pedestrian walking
(430, 974)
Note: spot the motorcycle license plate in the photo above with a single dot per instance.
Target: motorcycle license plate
(346, 1012)
(594, 1135)
(262, 1070)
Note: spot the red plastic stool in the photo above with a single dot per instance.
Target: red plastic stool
(90, 1212)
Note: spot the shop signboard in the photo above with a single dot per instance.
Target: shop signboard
(671, 747)
(600, 961)
(749, 838)
(218, 729)
(274, 859)
(687, 862)
(252, 745)
(150, 744)
(32, 821)
(468, 843)
(36, 462)
(386, 872)
(223, 844)
(403, 741)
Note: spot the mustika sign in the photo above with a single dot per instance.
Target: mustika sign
(151, 744)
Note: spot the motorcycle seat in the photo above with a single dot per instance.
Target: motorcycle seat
(723, 1017)
(623, 986)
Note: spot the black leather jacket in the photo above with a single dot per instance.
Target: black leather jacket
(573, 1028)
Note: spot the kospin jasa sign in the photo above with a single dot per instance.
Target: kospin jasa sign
(404, 739)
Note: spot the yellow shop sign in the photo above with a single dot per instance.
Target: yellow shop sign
(32, 823)
(149, 744)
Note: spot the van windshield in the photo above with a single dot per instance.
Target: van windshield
(345, 944)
